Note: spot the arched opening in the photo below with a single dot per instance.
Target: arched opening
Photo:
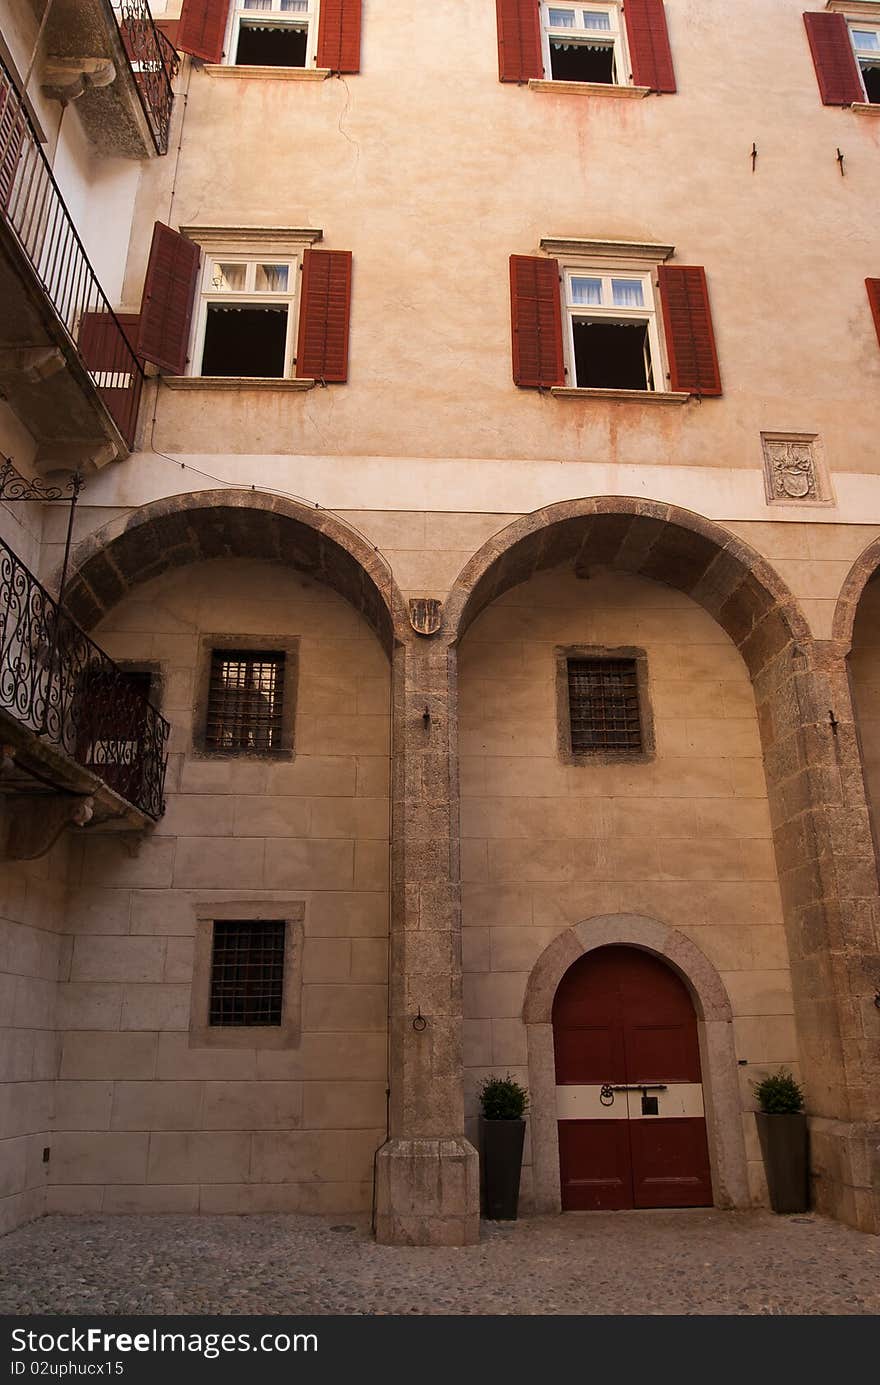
(629, 1089)
(228, 989)
(627, 991)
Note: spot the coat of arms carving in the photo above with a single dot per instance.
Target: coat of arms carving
(790, 467)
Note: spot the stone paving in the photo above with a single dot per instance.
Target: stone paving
(624, 1262)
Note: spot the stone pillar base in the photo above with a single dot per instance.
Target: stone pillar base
(845, 1170)
(428, 1193)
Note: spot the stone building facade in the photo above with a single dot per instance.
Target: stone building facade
(365, 424)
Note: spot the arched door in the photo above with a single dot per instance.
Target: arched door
(629, 1095)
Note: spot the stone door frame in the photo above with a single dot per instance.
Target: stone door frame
(724, 1124)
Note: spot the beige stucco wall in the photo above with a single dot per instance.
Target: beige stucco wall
(432, 206)
(144, 1122)
(32, 896)
(684, 839)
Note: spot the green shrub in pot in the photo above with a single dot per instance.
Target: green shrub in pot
(782, 1130)
(503, 1102)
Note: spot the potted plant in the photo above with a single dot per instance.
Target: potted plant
(782, 1130)
(504, 1104)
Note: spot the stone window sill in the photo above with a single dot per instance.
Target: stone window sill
(234, 382)
(590, 88)
(866, 107)
(638, 396)
(268, 74)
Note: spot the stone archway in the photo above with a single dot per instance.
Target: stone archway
(860, 574)
(201, 525)
(822, 837)
(717, 1053)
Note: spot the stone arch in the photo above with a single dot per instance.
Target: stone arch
(724, 1125)
(201, 525)
(860, 574)
(729, 579)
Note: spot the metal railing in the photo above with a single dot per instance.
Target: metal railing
(57, 683)
(154, 64)
(32, 206)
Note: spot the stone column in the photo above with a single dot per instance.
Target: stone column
(427, 1178)
(828, 876)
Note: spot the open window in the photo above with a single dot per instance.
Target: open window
(594, 43)
(866, 45)
(273, 33)
(246, 317)
(584, 43)
(612, 317)
(306, 34)
(612, 330)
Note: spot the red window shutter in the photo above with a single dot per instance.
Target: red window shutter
(536, 320)
(202, 29)
(339, 35)
(519, 40)
(169, 28)
(873, 287)
(325, 309)
(108, 356)
(690, 340)
(834, 59)
(167, 304)
(648, 39)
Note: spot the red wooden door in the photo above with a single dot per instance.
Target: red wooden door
(623, 1020)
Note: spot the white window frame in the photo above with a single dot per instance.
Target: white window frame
(864, 54)
(240, 13)
(613, 37)
(608, 312)
(249, 297)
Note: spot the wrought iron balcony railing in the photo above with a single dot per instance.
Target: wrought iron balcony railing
(31, 205)
(154, 64)
(57, 683)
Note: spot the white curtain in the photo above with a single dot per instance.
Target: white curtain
(627, 293)
(587, 291)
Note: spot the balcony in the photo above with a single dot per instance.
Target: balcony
(67, 367)
(108, 57)
(80, 741)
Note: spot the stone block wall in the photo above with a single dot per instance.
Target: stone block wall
(145, 1121)
(31, 952)
(684, 838)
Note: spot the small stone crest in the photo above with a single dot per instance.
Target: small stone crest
(425, 614)
(792, 468)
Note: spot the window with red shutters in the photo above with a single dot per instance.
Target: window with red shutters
(873, 287)
(167, 304)
(536, 322)
(107, 353)
(834, 59)
(202, 29)
(690, 339)
(519, 40)
(649, 50)
(325, 308)
(339, 35)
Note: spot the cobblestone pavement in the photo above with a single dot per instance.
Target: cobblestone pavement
(623, 1262)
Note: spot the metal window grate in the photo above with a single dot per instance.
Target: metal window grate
(247, 972)
(245, 697)
(603, 697)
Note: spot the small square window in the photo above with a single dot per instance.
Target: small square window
(247, 972)
(247, 975)
(245, 698)
(603, 701)
(602, 706)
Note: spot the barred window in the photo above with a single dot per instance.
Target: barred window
(603, 698)
(247, 972)
(245, 700)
